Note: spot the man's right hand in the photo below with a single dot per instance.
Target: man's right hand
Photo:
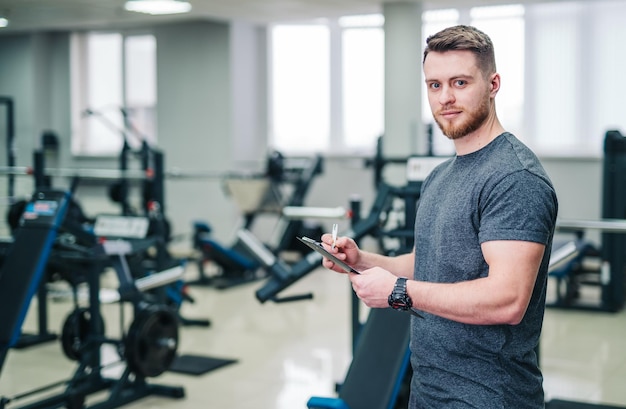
(345, 249)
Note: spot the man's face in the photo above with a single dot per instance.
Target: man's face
(458, 94)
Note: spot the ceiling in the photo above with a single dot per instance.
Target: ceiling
(44, 15)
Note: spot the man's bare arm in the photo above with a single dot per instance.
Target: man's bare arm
(500, 298)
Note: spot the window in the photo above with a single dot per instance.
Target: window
(140, 87)
(113, 92)
(363, 77)
(575, 73)
(300, 88)
(327, 85)
(607, 64)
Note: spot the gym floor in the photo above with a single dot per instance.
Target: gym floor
(287, 352)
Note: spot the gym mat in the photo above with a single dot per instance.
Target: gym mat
(561, 404)
(197, 365)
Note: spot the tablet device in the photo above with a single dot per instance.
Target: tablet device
(317, 246)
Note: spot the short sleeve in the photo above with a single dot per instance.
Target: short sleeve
(521, 206)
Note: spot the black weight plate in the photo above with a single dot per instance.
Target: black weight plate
(75, 331)
(152, 340)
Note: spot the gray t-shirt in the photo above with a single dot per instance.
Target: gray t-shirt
(500, 192)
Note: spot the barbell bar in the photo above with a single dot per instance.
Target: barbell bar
(116, 174)
(604, 225)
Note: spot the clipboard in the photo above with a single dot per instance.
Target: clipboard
(317, 246)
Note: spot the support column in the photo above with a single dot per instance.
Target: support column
(404, 130)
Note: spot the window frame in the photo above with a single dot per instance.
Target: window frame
(81, 109)
(337, 145)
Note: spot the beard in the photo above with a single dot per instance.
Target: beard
(475, 120)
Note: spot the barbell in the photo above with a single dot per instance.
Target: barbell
(116, 174)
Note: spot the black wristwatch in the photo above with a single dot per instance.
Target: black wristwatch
(399, 299)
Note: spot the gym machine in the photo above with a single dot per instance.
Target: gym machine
(152, 212)
(603, 267)
(10, 142)
(283, 275)
(147, 348)
(379, 161)
(151, 164)
(17, 208)
(285, 182)
(402, 211)
(376, 224)
(43, 334)
(40, 229)
(152, 186)
(10, 152)
(389, 366)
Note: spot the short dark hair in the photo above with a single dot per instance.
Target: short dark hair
(467, 38)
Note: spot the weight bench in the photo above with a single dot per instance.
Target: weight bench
(566, 267)
(229, 258)
(25, 262)
(379, 366)
(238, 268)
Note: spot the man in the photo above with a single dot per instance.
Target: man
(483, 234)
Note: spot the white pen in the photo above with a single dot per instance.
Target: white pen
(335, 228)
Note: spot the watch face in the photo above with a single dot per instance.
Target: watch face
(398, 305)
(399, 299)
(400, 302)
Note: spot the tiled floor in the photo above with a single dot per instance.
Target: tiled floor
(288, 352)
